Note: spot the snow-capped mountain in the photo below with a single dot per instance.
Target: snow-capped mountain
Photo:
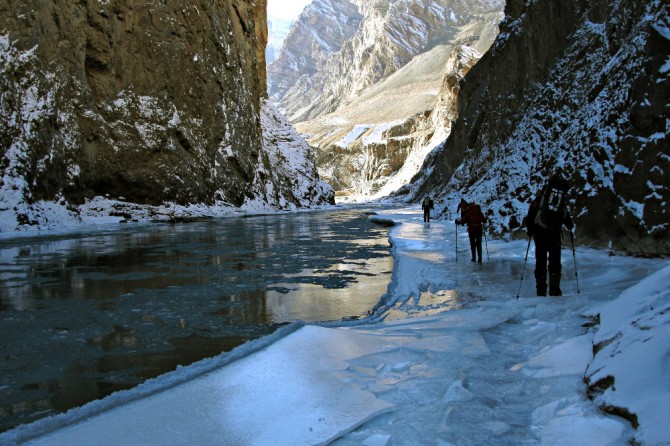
(320, 32)
(337, 49)
(579, 87)
(140, 102)
(373, 83)
(374, 146)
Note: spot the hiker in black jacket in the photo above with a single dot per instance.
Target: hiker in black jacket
(547, 214)
(427, 205)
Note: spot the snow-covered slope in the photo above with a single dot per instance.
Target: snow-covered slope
(634, 329)
(286, 177)
(580, 87)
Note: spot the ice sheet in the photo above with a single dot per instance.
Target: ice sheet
(280, 389)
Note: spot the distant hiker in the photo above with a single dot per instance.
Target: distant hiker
(427, 205)
(547, 214)
(471, 215)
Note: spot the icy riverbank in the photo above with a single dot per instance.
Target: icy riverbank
(496, 371)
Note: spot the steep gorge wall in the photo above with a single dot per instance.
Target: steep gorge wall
(576, 86)
(148, 101)
(373, 148)
(369, 76)
(340, 48)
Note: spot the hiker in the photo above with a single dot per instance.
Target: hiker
(547, 214)
(471, 215)
(427, 205)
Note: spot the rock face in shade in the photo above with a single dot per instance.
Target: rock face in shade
(580, 87)
(144, 101)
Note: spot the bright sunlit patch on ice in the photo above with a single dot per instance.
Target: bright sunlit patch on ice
(429, 304)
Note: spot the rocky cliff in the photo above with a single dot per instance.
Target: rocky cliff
(581, 87)
(366, 77)
(377, 144)
(297, 78)
(142, 101)
(339, 48)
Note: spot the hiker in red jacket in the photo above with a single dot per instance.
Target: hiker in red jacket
(471, 215)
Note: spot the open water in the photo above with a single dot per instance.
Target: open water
(85, 314)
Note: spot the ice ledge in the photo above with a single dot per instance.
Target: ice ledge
(216, 401)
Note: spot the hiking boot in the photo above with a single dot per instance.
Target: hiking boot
(480, 260)
(555, 285)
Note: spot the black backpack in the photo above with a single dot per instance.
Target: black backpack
(552, 207)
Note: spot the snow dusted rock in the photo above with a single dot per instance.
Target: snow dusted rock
(377, 144)
(363, 80)
(297, 78)
(338, 49)
(578, 86)
(140, 102)
(634, 329)
(287, 160)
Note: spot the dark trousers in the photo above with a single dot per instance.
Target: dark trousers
(547, 257)
(475, 235)
(426, 215)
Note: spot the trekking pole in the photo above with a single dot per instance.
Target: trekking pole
(574, 258)
(486, 243)
(456, 237)
(524, 268)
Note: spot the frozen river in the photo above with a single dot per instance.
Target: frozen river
(85, 314)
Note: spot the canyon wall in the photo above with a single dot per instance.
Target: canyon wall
(577, 87)
(363, 81)
(141, 101)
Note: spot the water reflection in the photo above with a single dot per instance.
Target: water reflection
(84, 315)
(288, 301)
(431, 303)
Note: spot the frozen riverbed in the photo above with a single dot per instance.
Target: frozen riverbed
(496, 371)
